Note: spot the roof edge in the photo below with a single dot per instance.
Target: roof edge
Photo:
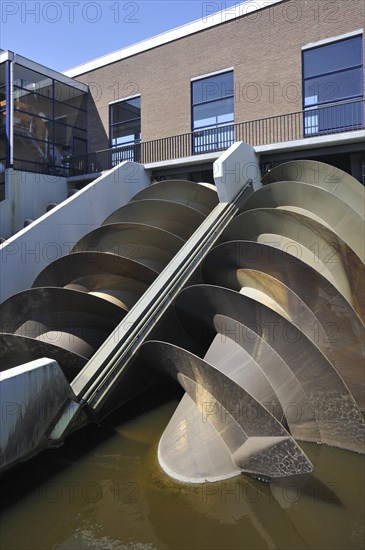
(214, 19)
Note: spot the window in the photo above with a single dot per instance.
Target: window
(48, 115)
(333, 87)
(213, 113)
(4, 126)
(125, 130)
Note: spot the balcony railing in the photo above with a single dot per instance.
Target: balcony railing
(330, 119)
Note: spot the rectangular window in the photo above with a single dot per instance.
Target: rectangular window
(213, 113)
(48, 116)
(333, 87)
(125, 130)
(4, 126)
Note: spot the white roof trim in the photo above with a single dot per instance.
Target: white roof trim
(124, 99)
(332, 39)
(208, 75)
(6, 55)
(202, 24)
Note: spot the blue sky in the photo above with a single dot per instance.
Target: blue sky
(64, 33)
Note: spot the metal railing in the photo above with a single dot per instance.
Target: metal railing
(104, 160)
(334, 118)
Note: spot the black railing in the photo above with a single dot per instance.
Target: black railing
(213, 139)
(324, 120)
(104, 160)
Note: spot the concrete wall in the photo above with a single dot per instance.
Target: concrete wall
(31, 398)
(235, 168)
(27, 197)
(5, 212)
(23, 256)
(264, 49)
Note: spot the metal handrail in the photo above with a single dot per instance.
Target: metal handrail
(314, 121)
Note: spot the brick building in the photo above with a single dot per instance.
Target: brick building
(236, 71)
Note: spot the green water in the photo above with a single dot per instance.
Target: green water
(104, 490)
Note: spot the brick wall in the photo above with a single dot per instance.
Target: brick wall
(264, 48)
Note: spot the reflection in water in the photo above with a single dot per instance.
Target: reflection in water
(105, 490)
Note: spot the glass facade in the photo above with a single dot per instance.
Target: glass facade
(50, 122)
(213, 113)
(125, 130)
(333, 87)
(4, 129)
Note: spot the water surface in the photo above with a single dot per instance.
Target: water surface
(104, 490)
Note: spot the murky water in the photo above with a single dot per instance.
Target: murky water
(105, 490)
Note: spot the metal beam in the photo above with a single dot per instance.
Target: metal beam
(104, 371)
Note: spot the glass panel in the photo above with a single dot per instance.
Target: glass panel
(126, 110)
(126, 133)
(2, 86)
(336, 118)
(74, 117)
(22, 121)
(32, 126)
(79, 147)
(60, 154)
(213, 139)
(3, 70)
(61, 131)
(213, 87)
(34, 166)
(32, 150)
(2, 74)
(33, 81)
(125, 122)
(35, 155)
(332, 57)
(33, 103)
(79, 134)
(45, 131)
(210, 114)
(333, 87)
(3, 141)
(2, 98)
(65, 137)
(62, 134)
(3, 116)
(69, 94)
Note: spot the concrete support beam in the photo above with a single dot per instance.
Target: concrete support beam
(31, 398)
(234, 169)
(27, 196)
